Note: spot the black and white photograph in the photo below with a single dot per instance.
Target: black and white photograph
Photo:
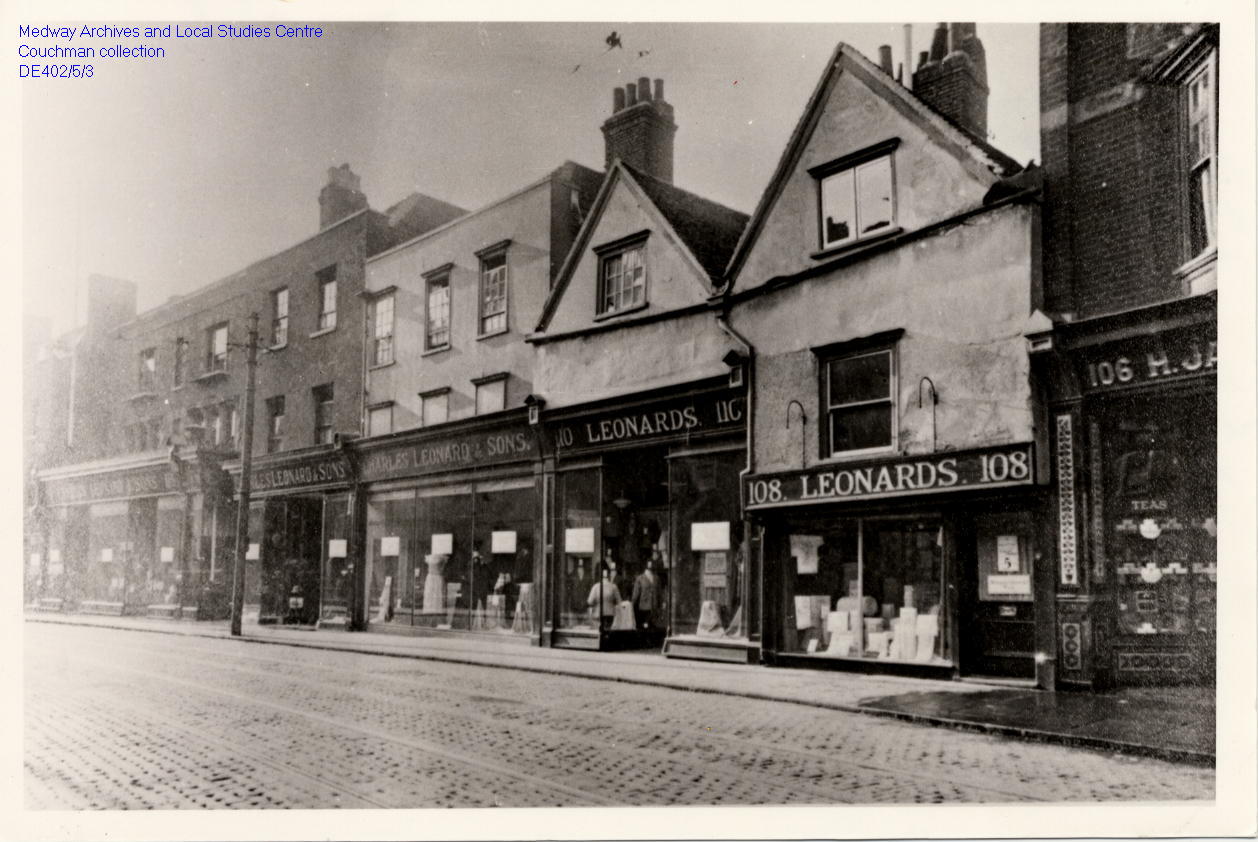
(785, 417)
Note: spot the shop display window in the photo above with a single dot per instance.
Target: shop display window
(104, 570)
(502, 593)
(1160, 516)
(868, 589)
(337, 581)
(581, 592)
(705, 561)
(165, 573)
(391, 556)
(443, 576)
(635, 551)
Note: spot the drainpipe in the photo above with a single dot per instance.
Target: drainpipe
(722, 321)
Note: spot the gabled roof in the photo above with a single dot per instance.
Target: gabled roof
(980, 155)
(708, 231)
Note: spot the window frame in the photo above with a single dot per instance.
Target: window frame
(886, 342)
(853, 163)
(148, 370)
(379, 407)
(1206, 66)
(325, 278)
(433, 394)
(617, 250)
(274, 430)
(479, 383)
(374, 358)
(439, 277)
(324, 397)
(280, 321)
(498, 251)
(216, 362)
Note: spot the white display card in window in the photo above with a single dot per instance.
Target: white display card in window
(805, 549)
(253, 552)
(579, 540)
(338, 548)
(442, 543)
(168, 554)
(502, 542)
(107, 554)
(54, 556)
(391, 545)
(1007, 559)
(709, 536)
(1016, 585)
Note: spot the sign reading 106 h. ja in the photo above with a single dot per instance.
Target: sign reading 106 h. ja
(991, 467)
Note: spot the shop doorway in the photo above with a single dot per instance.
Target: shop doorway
(997, 619)
(290, 559)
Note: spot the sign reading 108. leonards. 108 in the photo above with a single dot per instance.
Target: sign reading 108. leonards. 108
(991, 467)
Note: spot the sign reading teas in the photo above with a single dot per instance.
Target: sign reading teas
(448, 453)
(664, 419)
(991, 467)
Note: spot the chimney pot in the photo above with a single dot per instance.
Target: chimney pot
(631, 95)
(642, 137)
(618, 99)
(644, 89)
(659, 90)
(939, 43)
(884, 59)
(921, 58)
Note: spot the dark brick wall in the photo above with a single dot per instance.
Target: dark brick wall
(1113, 224)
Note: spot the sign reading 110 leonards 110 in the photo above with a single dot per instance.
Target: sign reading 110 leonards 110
(991, 467)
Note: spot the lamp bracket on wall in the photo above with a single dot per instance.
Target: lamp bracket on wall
(934, 402)
(803, 437)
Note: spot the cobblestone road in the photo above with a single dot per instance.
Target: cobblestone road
(118, 719)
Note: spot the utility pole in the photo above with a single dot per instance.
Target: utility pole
(246, 475)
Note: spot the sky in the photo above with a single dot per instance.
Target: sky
(175, 172)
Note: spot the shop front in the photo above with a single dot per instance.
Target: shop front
(1141, 605)
(118, 538)
(300, 558)
(926, 565)
(650, 547)
(452, 515)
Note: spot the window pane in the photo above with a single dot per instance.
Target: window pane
(838, 209)
(863, 378)
(873, 192)
(860, 427)
(491, 397)
(435, 409)
(438, 313)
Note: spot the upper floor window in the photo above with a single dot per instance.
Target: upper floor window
(148, 369)
(279, 317)
(327, 298)
(381, 320)
(491, 393)
(858, 392)
(181, 361)
(230, 426)
(323, 406)
(493, 290)
(856, 196)
(275, 424)
(434, 407)
(1203, 151)
(622, 275)
(380, 419)
(216, 348)
(437, 333)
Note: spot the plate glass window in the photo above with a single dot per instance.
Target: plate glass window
(858, 396)
(275, 424)
(323, 401)
(622, 283)
(216, 348)
(279, 317)
(148, 369)
(493, 293)
(438, 332)
(327, 298)
(382, 331)
(858, 202)
(1202, 159)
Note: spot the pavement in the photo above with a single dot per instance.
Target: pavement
(1170, 723)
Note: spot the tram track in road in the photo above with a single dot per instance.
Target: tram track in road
(725, 750)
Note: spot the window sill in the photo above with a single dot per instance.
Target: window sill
(499, 332)
(1200, 275)
(322, 332)
(212, 376)
(379, 366)
(614, 314)
(145, 395)
(858, 244)
(858, 455)
(280, 347)
(438, 350)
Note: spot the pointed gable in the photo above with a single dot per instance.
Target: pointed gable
(855, 114)
(686, 243)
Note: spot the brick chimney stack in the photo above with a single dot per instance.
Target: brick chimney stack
(952, 77)
(340, 197)
(641, 128)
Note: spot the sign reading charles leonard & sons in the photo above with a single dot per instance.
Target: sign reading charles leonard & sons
(452, 452)
(990, 467)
